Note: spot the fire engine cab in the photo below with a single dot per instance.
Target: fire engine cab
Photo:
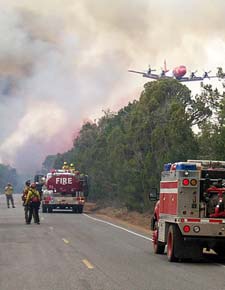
(190, 213)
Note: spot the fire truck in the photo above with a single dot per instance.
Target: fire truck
(64, 189)
(189, 215)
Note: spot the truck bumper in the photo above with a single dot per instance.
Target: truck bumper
(205, 242)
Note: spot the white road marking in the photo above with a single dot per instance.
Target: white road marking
(118, 227)
(65, 241)
(88, 264)
(131, 232)
(217, 264)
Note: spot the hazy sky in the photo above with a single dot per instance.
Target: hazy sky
(63, 62)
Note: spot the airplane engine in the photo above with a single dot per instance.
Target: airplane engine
(179, 71)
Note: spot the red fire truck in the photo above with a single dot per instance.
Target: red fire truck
(190, 213)
(64, 189)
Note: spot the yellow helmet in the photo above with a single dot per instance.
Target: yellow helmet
(71, 164)
(64, 162)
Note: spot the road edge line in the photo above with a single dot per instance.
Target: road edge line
(118, 227)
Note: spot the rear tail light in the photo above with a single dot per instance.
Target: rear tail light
(185, 182)
(47, 199)
(193, 182)
(186, 229)
(80, 199)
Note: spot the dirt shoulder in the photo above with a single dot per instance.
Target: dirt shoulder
(121, 216)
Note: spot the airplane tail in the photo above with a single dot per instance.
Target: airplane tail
(165, 67)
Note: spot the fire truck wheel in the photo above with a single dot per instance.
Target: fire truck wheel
(44, 208)
(158, 246)
(80, 209)
(152, 224)
(74, 209)
(49, 210)
(173, 239)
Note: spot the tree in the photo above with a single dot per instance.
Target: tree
(7, 175)
(123, 153)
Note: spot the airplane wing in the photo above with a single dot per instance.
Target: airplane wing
(193, 79)
(145, 74)
(186, 79)
(137, 72)
(164, 76)
(212, 77)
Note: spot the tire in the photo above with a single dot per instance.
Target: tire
(152, 223)
(49, 210)
(80, 209)
(74, 209)
(158, 246)
(173, 242)
(44, 208)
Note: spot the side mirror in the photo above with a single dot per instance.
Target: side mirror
(153, 194)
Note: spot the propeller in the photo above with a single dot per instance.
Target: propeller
(192, 74)
(206, 74)
(150, 70)
(163, 72)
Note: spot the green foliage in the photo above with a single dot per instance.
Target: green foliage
(48, 163)
(123, 153)
(7, 175)
(211, 138)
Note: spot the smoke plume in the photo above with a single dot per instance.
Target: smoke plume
(65, 61)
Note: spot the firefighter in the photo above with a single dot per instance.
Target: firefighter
(9, 195)
(24, 197)
(72, 167)
(33, 201)
(65, 166)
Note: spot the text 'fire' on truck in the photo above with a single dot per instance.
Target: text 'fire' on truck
(64, 189)
(190, 213)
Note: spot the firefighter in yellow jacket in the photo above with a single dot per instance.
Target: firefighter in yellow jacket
(65, 166)
(33, 202)
(24, 197)
(9, 195)
(72, 167)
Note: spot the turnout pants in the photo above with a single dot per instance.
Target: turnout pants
(34, 210)
(26, 212)
(10, 198)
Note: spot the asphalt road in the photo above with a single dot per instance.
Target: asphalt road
(78, 251)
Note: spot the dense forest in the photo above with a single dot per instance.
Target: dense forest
(123, 153)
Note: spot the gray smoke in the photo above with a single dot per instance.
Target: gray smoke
(63, 61)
